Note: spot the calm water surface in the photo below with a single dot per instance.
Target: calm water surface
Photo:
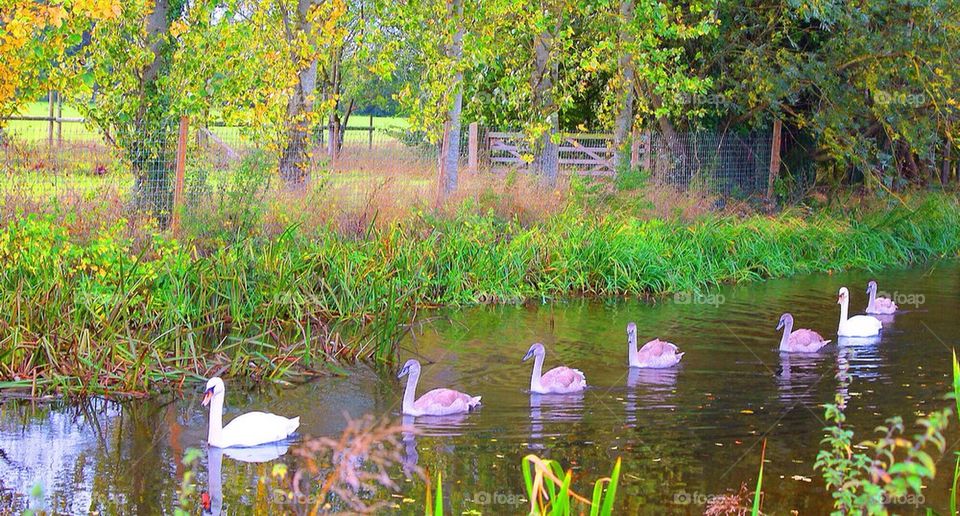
(684, 434)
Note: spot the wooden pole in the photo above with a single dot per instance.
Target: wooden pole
(635, 148)
(370, 133)
(774, 158)
(945, 167)
(473, 148)
(50, 115)
(59, 119)
(180, 168)
(647, 150)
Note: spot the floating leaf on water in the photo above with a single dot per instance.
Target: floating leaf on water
(408, 500)
(746, 411)
(801, 478)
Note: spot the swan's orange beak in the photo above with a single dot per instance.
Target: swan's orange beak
(207, 396)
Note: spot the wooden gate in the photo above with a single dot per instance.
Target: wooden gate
(581, 153)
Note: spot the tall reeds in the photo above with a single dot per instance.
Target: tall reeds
(105, 313)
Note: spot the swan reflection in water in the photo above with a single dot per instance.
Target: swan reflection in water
(863, 356)
(427, 426)
(798, 375)
(213, 504)
(649, 389)
(566, 408)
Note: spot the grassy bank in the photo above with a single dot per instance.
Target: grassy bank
(105, 314)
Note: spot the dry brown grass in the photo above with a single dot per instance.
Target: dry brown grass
(345, 470)
(360, 192)
(739, 503)
(514, 196)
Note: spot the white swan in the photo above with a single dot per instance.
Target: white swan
(438, 402)
(250, 429)
(559, 380)
(858, 325)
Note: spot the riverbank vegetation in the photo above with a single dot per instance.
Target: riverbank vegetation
(102, 312)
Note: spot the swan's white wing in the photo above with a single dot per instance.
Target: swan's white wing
(861, 326)
(254, 428)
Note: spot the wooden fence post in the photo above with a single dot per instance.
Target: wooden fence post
(180, 168)
(370, 133)
(945, 167)
(635, 148)
(50, 116)
(647, 150)
(59, 119)
(774, 158)
(473, 148)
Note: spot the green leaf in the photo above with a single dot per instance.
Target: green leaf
(438, 502)
(611, 494)
(755, 511)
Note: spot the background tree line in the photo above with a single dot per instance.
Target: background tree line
(867, 90)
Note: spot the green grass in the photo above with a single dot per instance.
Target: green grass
(37, 131)
(104, 314)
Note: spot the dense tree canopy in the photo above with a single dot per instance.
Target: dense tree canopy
(870, 87)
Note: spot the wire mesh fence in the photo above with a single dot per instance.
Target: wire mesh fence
(355, 170)
(726, 164)
(138, 173)
(135, 169)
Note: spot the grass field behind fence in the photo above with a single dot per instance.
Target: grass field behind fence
(35, 130)
(81, 165)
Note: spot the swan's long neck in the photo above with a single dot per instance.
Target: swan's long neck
(843, 310)
(216, 420)
(787, 329)
(537, 368)
(410, 393)
(632, 351)
(873, 299)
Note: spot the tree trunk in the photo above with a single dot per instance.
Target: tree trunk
(450, 161)
(295, 158)
(343, 124)
(624, 120)
(547, 156)
(147, 144)
(666, 128)
(333, 123)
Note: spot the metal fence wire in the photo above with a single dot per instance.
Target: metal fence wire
(43, 168)
(78, 163)
(727, 163)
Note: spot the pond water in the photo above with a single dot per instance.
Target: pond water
(684, 434)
